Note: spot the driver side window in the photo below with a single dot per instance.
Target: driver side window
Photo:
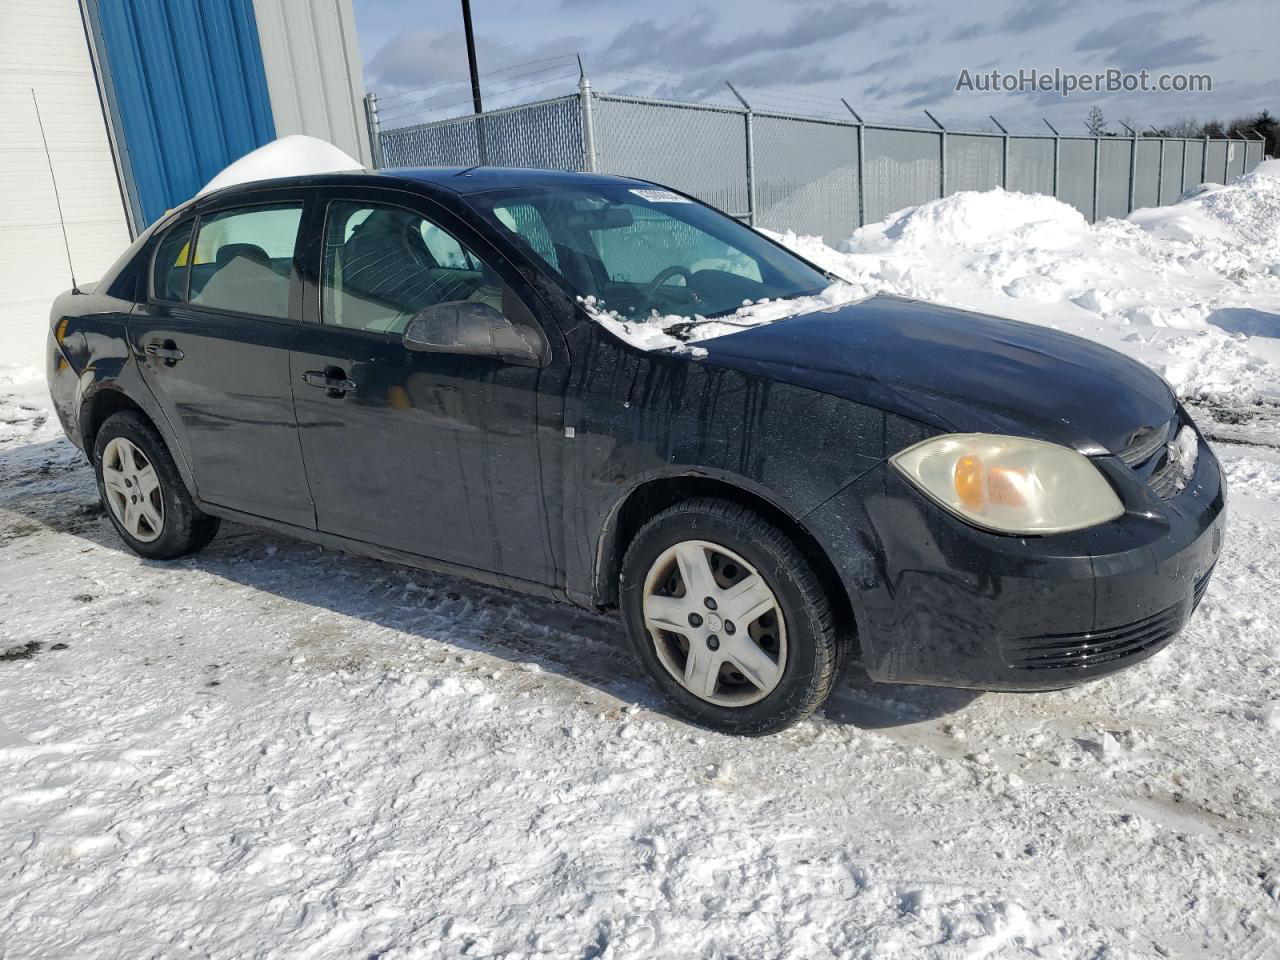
(384, 264)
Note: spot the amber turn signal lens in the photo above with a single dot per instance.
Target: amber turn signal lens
(969, 485)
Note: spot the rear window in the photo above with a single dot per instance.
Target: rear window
(243, 259)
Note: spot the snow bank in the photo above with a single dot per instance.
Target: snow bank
(1191, 289)
(290, 156)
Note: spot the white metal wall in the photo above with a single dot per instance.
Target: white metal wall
(313, 71)
(43, 45)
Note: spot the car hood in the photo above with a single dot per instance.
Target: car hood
(957, 371)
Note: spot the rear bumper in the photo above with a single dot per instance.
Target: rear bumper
(64, 387)
(940, 602)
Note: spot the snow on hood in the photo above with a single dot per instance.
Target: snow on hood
(660, 332)
(291, 156)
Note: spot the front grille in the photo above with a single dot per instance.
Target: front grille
(1146, 443)
(1164, 481)
(1147, 454)
(1081, 650)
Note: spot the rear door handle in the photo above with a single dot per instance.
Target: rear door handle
(333, 381)
(167, 351)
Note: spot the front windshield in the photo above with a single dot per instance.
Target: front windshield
(641, 250)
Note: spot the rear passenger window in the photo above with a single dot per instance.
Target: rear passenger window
(382, 265)
(243, 259)
(173, 256)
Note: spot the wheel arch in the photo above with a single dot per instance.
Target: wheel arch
(98, 406)
(654, 495)
(109, 398)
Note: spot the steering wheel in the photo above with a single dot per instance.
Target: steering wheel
(675, 270)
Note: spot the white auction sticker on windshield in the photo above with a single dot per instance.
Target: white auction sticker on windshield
(661, 196)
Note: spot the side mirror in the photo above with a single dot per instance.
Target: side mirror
(472, 328)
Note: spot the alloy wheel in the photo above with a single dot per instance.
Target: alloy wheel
(715, 623)
(133, 490)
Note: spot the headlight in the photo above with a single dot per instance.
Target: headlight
(1010, 484)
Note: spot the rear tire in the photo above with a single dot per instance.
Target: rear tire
(143, 492)
(772, 667)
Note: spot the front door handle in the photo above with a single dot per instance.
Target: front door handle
(332, 380)
(167, 351)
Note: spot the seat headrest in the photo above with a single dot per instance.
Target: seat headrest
(228, 252)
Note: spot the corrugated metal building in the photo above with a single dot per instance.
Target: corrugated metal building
(143, 102)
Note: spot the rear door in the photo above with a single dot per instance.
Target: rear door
(435, 454)
(213, 344)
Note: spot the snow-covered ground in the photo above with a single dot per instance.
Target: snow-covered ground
(272, 750)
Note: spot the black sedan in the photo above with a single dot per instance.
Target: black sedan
(426, 366)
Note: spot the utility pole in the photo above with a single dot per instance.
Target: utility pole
(481, 152)
(471, 56)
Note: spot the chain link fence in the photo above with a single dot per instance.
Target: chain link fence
(810, 174)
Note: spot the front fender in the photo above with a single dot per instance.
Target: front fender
(640, 417)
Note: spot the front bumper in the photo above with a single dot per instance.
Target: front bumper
(938, 601)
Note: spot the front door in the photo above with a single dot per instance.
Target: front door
(213, 342)
(435, 454)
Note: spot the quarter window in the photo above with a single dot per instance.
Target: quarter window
(243, 259)
(173, 256)
(383, 264)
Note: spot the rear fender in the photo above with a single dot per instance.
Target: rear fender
(92, 370)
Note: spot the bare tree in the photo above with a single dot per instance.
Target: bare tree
(1096, 122)
(1249, 127)
(1183, 127)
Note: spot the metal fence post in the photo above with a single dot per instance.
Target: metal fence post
(862, 166)
(1097, 158)
(942, 155)
(1133, 162)
(374, 128)
(1004, 157)
(1182, 182)
(1160, 171)
(1057, 155)
(751, 157)
(588, 124)
(1204, 160)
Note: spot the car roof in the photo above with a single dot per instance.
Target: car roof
(459, 180)
(478, 179)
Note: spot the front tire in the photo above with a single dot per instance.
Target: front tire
(143, 492)
(728, 618)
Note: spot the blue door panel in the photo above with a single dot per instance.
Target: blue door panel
(189, 91)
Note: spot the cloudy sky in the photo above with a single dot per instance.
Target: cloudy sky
(890, 58)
